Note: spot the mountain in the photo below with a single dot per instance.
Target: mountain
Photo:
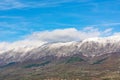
(91, 47)
(90, 59)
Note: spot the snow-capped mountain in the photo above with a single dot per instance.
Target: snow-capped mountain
(25, 50)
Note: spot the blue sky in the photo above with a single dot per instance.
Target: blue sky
(19, 18)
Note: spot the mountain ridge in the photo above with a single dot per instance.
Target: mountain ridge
(91, 47)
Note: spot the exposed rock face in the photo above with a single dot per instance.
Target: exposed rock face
(93, 47)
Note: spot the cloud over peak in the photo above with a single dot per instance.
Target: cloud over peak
(69, 34)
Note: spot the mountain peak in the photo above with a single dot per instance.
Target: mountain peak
(103, 39)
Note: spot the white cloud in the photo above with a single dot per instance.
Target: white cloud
(69, 34)
(21, 46)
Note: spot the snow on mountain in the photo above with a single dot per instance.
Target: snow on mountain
(34, 49)
(20, 46)
(60, 44)
(99, 46)
(111, 39)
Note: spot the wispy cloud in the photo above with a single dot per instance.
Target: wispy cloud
(11, 17)
(17, 4)
(7, 28)
(111, 24)
(10, 4)
(106, 24)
